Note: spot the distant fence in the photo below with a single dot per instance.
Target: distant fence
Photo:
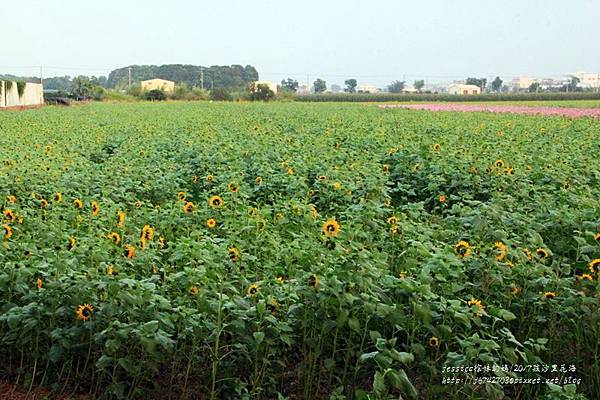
(384, 97)
(20, 94)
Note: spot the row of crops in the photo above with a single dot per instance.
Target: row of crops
(299, 251)
(491, 97)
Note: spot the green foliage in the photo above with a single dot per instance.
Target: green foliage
(220, 94)
(21, 88)
(154, 95)
(350, 85)
(479, 82)
(272, 301)
(496, 84)
(419, 84)
(396, 87)
(234, 76)
(534, 87)
(260, 92)
(319, 85)
(290, 84)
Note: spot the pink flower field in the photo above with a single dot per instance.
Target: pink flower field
(571, 112)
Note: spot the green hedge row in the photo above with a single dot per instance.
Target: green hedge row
(380, 97)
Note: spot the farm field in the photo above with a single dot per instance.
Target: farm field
(298, 251)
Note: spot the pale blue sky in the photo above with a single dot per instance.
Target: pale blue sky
(375, 41)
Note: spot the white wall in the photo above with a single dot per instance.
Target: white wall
(33, 95)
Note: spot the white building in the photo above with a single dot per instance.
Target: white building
(366, 88)
(521, 83)
(15, 94)
(460, 88)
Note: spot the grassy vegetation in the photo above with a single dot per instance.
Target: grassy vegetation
(293, 250)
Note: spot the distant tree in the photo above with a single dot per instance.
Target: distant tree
(290, 84)
(82, 87)
(479, 82)
(534, 87)
(260, 92)
(571, 85)
(419, 84)
(350, 85)
(320, 85)
(496, 84)
(396, 87)
(155, 95)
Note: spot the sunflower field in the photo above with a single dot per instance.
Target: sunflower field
(298, 251)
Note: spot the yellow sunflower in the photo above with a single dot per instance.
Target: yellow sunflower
(597, 236)
(162, 242)
(549, 295)
(501, 247)
(181, 196)
(434, 341)
(215, 201)
(58, 197)
(95, 208)
(437, 147)
(120, 219)
(462, 249)
(313, 281)
(586, 277)
(234, 254)
(193, 290)
(258, 180)
(44, 203)
(386, 168)
(114, 237)
(78, 203)
(331, 228)
(211, 223)
(129, 251)
(393, 220)
(7, 232)
(72, 243)
(110, 270)
(541, 253)
(233, 187)
(280, 279)
(442, 198)
(515, 290)
(528, 254)
(209, 178)
(147, 233)
(84, 312)
(416, 167)
(39, 283)
(479, 306)
(253, 289)
(313, 212)
(12, 199)
(595, 266)
(499, 163)
(188, 207)
(9, 216)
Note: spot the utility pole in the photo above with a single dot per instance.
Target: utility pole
(202, 77)
(129, 78)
